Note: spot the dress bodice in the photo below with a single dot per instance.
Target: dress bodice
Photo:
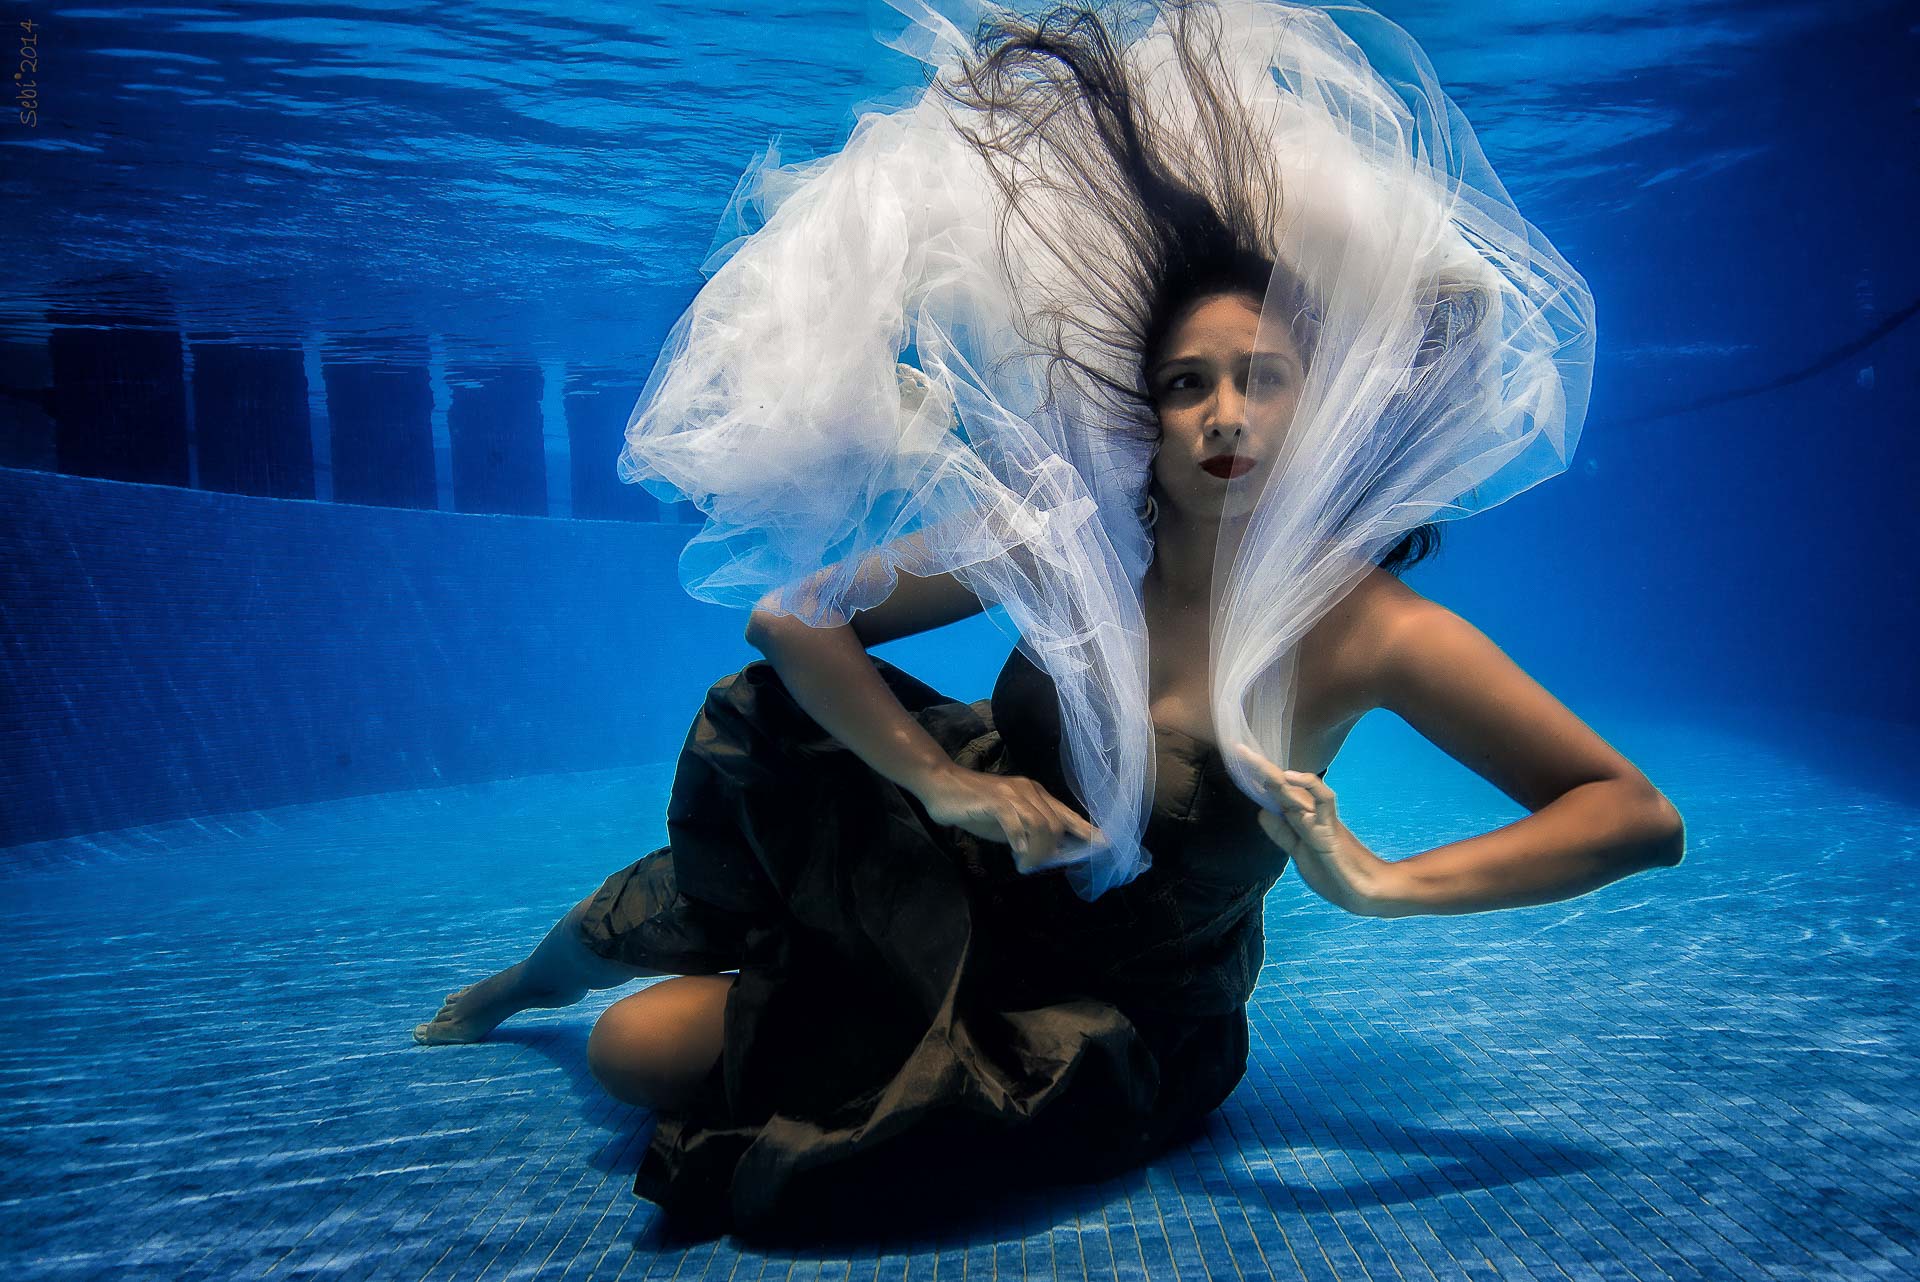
(1188, 928)
(1200, 816)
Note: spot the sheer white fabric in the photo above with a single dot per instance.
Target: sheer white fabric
(857, 390)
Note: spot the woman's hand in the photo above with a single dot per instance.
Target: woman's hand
(1011, 809)
(1301, 815)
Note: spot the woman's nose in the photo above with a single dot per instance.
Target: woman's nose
(1228, 411)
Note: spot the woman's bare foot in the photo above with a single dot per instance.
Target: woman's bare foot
(556, 973)
(472, 1012)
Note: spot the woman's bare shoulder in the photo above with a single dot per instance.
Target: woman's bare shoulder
(1389, 601)
(1343, 653)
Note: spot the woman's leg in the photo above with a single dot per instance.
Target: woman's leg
(654, 1047)
(557, 973)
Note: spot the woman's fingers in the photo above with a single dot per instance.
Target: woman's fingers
(1311, 810)
(1280, 831)
(1297, 792)
(1017, 824)
(1061, 822)
(1059, 817)
(1269, 775)
(1320, 804)
(1035, 807)
(1310, 783)
(1254, 759)
(1038, 827)
(1043, 831)
(1035, 823)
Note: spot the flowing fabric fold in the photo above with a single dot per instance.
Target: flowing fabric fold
(858, 390)
(1453, 346)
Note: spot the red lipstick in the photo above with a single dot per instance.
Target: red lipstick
(1228, 465)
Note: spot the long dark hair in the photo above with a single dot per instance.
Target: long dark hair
(1138, 230)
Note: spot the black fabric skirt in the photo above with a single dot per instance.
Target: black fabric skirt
(912, 1019)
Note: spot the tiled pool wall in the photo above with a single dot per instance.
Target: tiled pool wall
(171, 652)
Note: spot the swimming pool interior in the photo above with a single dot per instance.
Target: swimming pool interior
(339, 663)
(1700, 1073)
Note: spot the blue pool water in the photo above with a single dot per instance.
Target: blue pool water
(337, 663)
(1705, 1072)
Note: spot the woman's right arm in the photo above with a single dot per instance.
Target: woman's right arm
(832, 678)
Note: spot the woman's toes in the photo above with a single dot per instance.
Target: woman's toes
(445, 1032)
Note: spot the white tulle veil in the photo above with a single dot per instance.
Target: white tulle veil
(922, 353)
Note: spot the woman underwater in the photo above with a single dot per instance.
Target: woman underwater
(1213, 306)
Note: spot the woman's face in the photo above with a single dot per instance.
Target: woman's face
(1224, 407)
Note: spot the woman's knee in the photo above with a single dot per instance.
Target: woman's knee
(655, 1047)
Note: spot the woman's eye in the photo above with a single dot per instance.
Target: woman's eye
(1268, 380)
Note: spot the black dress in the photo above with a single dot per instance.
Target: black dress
(912, 1015)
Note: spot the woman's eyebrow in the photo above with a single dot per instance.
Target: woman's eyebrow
(1172, 361)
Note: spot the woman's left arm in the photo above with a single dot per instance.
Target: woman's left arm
(1595, 817)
